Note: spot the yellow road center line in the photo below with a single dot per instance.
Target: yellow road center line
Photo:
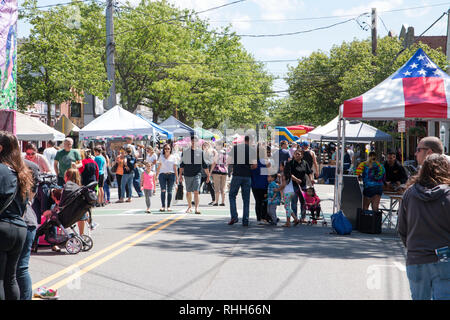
(87, 259)
(67, 280)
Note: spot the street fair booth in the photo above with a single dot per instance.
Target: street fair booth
(32, 129)
(206, 134)
(161, 133)
(117, 123)
(178, 128)
(419, 90)
(356, 132)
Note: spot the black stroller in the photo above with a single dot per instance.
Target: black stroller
(75, 202)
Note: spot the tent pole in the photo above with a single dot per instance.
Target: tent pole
(341, 164)
(336, 206)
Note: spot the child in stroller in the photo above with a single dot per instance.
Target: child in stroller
(313, 205)
(74, 203)
(55, 194)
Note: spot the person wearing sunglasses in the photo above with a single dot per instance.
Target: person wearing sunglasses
(32, 155)
(427, 146)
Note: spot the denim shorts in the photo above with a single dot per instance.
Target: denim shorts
(373, 191)
(193, 183)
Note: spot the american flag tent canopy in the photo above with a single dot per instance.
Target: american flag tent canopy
(419, 89)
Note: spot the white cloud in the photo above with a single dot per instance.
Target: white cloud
(278, 9)
(415, 13)
(281, 52)
(240, 22)
(379, 5)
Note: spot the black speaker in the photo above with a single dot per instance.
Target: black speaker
(368, 221)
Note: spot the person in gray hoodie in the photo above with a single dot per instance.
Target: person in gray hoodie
(424, 226)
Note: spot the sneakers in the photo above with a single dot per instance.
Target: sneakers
(232, 221)
(48, 294)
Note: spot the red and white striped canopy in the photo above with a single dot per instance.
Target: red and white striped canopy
(418, 90)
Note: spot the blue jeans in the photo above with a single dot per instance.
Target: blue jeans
(107, 192)
(137, 182)
(429, 281)
(22, 274)
(245, 183)
(166, 182)
(127, 180)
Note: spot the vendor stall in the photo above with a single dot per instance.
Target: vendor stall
(418, 90)
(32, 129)
(117, 123)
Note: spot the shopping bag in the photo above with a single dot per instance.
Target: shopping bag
(179, 194)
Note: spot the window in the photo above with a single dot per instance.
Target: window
(75, 110)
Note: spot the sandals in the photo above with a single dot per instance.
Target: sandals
(162, 209)
(198, 212)
(189, 210)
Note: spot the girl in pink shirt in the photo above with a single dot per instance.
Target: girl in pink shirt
(312, 202)
(148, 184)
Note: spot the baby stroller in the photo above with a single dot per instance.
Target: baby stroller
(315, 211)
(75, 201)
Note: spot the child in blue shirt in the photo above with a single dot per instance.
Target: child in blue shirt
(273, 198)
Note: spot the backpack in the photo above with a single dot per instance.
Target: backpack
(340, 223)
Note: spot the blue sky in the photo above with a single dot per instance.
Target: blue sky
(257, 17)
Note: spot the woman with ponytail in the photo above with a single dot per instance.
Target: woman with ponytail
(16, 182)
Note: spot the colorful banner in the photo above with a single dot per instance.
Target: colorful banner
(8, 54)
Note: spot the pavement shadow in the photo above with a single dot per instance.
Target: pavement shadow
(214, 236)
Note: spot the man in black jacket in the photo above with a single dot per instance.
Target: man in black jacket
(395, 173)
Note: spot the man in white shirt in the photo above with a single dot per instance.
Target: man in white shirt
(50, 154)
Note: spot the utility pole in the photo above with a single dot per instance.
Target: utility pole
(110, 49)
(374, 31)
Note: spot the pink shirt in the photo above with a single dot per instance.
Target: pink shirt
(311, 200)
(148, 180)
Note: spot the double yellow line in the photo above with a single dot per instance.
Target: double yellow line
(162, 225)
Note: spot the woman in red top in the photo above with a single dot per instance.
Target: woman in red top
(88, 169)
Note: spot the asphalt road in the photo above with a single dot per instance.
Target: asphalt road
(179, 256)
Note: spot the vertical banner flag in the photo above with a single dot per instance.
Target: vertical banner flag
(8, 54)
(8, 65)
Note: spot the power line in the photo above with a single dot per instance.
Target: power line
(59, 4)
(169, 20)
(284, 34)
(383, 24)
(417, 39)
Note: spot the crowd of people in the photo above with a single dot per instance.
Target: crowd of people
(281, 176)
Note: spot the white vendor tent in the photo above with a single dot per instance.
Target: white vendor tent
(356, 132)
(116, 122)
(32, 129)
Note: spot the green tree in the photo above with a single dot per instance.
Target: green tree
(170, 60)
(58, 61)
